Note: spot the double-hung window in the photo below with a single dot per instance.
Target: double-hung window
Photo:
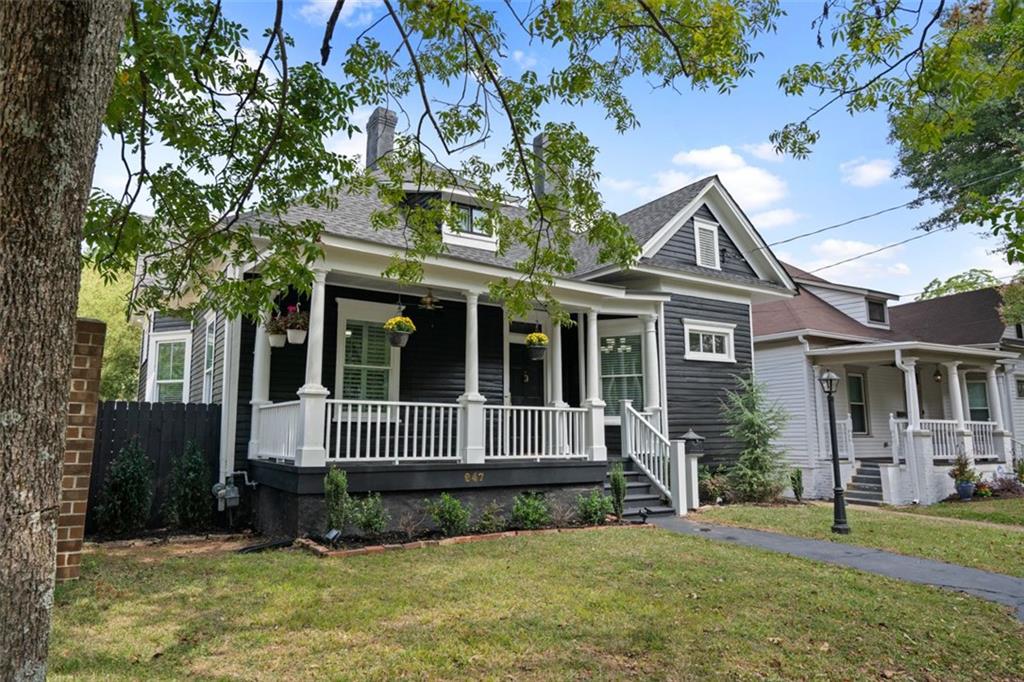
(977, 401)
(471, 220)
(367, 370)
(709, 341)
(622, 372)
(170, 371)
(208, 354)
(1020, 388)
(856, 395)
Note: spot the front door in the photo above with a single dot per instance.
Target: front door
(525, 377)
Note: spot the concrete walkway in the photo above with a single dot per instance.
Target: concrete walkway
(995, 587)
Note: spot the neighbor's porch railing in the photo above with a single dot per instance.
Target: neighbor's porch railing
(534, 432)
(946, 441)
(645, 445)
(278, 427)
(377, 430)
(844, 438)
(983, 435)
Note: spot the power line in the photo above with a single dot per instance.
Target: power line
(884, 248)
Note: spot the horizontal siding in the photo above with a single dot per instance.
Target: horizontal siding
(695, 389)
(885, 397)
(851, 305)
(168, 323)
(783, 370)
(681, 248)
(218, 360)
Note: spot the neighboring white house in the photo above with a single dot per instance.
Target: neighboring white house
(921, 382)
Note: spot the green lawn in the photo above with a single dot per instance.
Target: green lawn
(611, 604)
(986, 547)
(1008, 510)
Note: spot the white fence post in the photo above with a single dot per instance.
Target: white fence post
(678, 477)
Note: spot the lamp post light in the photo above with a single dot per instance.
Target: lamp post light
(830, 383)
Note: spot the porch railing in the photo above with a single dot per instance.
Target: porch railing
(984, 436)
(645, 445)
(513, 431)
(376, 430)
(946, 440)
(278, 430)
(844, 438)
(898, 436)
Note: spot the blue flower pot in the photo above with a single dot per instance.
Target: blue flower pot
(965, 489)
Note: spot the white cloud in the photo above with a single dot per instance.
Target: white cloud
(713, 158)
(340, 143)
(353, 13)
(764, 151)
(861, 172)
(524, 60)
(877, 269)
(776, 217)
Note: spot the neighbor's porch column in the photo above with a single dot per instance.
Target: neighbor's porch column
(910, 388)
(555, 366)
(596, 449)
(260, 383)
(995, 401)
(313, 394)
(652, 396)
(472, 402)
(956, 399)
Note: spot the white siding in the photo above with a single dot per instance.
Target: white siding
(852, 305)
(934, 395)
(784, 371)
(885, 397)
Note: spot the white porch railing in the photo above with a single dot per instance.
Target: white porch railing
(376, 430)
(278, 430)
(898, 436)
(534, 432)
(645, 445)
(844, 438)
(946, 441)
(984, 437)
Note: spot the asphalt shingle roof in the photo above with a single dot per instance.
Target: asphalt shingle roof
(963, 319)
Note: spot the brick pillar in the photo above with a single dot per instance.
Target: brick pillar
(83, 403)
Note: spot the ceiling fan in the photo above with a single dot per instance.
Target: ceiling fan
(430, 302)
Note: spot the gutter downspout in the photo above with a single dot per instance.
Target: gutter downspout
(912, 463)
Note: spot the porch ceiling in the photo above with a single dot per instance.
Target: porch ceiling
(885, 353)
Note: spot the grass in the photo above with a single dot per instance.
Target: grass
(1008, 510)
(611, 604)
(986, 547)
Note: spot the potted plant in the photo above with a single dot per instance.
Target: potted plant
(536, 345)
(964, 477)
(399, 328)
(296, 323)
(276, 331)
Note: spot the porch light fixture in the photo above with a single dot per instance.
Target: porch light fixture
(830, 384)
(938, 375)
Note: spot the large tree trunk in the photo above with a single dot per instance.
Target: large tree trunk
(57, 62)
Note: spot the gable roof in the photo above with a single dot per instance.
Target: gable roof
(964, 319)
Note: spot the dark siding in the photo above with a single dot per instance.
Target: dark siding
(681, 248)
(696, 389)
(168, 323)
(218, 360)
(195, 382)
(571, 362)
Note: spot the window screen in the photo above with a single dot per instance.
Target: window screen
(367, 369)
(621, 372)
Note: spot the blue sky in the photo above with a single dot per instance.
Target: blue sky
(685, 135)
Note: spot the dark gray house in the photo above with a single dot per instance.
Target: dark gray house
(462, 407)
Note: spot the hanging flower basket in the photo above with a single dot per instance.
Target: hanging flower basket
(296, 324)
(536, 345)
(399, 328)
(276, 331)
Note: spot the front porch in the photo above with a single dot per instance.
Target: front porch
(910, 409)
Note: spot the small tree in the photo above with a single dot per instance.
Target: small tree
(190, 502)
(127, 492)
(760, 474)
(617, 482)
(340, 509)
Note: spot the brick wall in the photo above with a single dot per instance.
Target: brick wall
(81, 432)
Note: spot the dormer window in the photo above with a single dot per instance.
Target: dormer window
(705, 235)
(471, 220)
(878, 313)
(469, 227)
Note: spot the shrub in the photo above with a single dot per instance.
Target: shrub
(760, 474)
(340, 507)
(594, 508)
(370, 516)
(1009, 486)
(962, 472)
(1018, 468)
(530, 510)
(796, 482)
(190, 502)
(127, 492)
(711, 487)
(491, 520)
(983, 489)
(617, 482)
(450, 515)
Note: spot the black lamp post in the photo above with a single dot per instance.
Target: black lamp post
(830, 383)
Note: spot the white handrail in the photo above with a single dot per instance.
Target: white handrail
(380, 430)
(278, 425)
(529, 432)
(983, 435)
(945, 437)
(645, 445)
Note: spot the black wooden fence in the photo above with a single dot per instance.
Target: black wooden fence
(162, 430)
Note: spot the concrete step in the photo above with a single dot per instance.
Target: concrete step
(631, 485)
(652, 510)
(865, 488)
(862, 478)
(866, 501)
(643, 500)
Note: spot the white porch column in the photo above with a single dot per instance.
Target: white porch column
(313, 394)
(955, 397)
(965, 399)
(472, 402)
(910, 388)
(555, 365)
(995, 401)
(652, 396)
(260, 383)
(596, 449)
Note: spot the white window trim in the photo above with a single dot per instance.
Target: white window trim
(1020, 384)
(698, 224)
(708, 327)
(632, 326)
(867, 313)
(863, 376)
(470, 240)
(209, 328)
(156, 338)
(988, 399)
(366, 311)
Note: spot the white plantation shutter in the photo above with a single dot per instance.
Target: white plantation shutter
(367, 361)
(707, 246)
(621, 372)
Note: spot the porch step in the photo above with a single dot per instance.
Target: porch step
(641, 493)
(866, 486)
(635, 513)
(868, 479)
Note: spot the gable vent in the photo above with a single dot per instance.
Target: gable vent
(707, 245)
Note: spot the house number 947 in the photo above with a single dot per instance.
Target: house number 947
(474, 476)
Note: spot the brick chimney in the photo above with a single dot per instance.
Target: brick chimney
(380, 135)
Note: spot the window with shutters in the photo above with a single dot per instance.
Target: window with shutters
(706, 243)
(622, 372)
(367, 371)
(709, 341)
